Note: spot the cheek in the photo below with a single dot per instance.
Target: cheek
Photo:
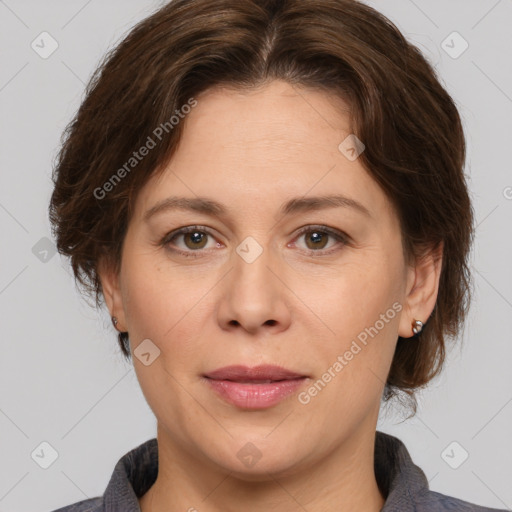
(360, 312)
(144, 298)
(163, 306)
(355, 300)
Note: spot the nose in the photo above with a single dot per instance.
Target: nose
(254, 296)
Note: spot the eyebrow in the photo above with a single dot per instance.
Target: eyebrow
(208, 206)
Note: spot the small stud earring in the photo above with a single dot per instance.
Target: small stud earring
(417, 326)
(114, 321)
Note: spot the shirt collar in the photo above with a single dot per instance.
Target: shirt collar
(397, 476)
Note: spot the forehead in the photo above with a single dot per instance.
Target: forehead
(276, 141)
(284, 118)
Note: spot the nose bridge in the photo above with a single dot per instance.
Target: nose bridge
(252, 262)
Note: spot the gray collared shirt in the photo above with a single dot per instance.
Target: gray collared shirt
(402, 482)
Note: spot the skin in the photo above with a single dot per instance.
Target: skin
(253, 151)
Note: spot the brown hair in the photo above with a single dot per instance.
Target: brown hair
(415, 147)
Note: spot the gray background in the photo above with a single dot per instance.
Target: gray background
(63, 380)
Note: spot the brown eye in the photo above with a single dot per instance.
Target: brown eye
(189, 241)
(195, 239)
(317, 239)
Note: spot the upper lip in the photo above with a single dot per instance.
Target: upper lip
(256, 373)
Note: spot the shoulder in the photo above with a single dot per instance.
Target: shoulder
(433, 501)
(405, 484)
(89, 505)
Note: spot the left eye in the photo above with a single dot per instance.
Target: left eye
(317, 238)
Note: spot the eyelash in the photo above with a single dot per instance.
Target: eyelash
(337, 235)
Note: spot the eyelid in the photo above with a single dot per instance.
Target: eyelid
(319, 227)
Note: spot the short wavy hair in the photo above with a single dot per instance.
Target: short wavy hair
(415, 146)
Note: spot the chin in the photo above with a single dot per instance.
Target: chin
(252, 464)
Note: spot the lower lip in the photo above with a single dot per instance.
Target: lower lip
(255, 396)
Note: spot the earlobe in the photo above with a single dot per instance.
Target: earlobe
(422, 289)
(109, 279)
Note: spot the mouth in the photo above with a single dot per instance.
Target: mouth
(255, 381)
(260, 387)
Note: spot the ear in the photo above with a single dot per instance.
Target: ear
(109, 279)
(422, 288)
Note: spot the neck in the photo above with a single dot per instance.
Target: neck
(343, 481)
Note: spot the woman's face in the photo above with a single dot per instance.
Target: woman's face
(275, 278)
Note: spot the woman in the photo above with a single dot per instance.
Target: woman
(269, 198)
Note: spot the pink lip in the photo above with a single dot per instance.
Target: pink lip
(241, 373)
(240, 385)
